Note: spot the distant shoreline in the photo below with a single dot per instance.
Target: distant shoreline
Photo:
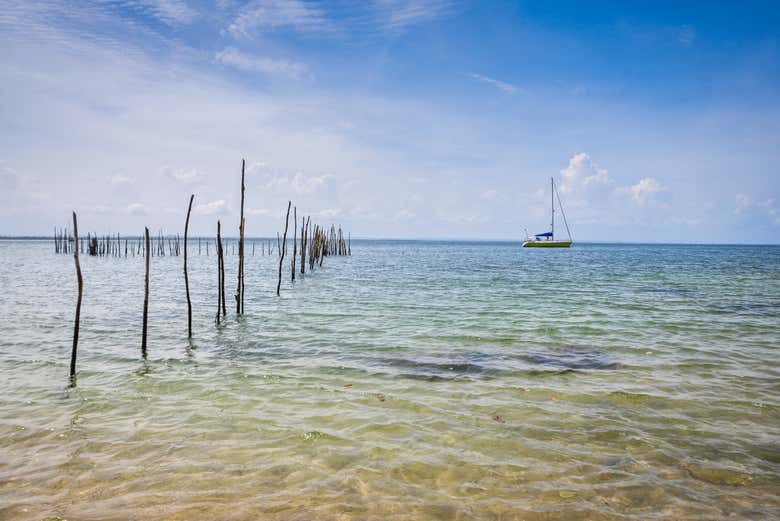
(455, 241)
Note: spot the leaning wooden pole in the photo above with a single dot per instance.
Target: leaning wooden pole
(303, 245)
(240, 287)
(146, 292)
(295, 242)
(220, 275)
(222, 267)
(284, 248)
(243, 250)
(78, 302)
(186, 278)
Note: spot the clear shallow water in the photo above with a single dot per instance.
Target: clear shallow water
(629, 382)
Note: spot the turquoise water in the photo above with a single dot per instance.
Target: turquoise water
(412, 380)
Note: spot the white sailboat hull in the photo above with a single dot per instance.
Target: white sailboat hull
(546, 244)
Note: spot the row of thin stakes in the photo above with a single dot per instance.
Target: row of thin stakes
(316, 243)
(160, 245)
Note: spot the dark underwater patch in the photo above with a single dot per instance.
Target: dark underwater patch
(548, 362)
(438, 368)
(570, 359)
(746, 308)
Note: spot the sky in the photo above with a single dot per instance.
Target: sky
(659, 121)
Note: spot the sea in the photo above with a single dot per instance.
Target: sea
(411, 380)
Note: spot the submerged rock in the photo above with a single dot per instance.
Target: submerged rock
(718, 475)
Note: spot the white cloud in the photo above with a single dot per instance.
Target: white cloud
(302, 184)
(235, 58)
(137, 209)
(87, 29)
(298, 183)
(500, 85)
(397, 14)
(746, 205)
(172, 12)
(365, 17)
(271, 14)
(211, 208)
(404, 214)
(362, 213)
(120, 180)
(590, 195)
(682, 221)
(644, 192)
(330, 213)
(743, 203)
(583, 179)
(183, 176)
(162, 103)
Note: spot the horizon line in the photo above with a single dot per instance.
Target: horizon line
(427, 239)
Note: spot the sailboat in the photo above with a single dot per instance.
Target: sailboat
(547, 239)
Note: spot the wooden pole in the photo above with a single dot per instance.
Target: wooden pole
(324, 250)
(220, 277)
(311, 247)
(295, 241)
(78, 304)
(222, 254)
(186, 278)
(243, 249)
(240, 286)
(284, 248)
(303, 245)
(146, 293)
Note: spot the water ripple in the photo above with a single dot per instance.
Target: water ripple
(413, 380)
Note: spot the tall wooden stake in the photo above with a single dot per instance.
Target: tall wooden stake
(240, 285)
(243, 250)
(295, 241)
(146, 292)
(78, 303)
(304, 241)
(220, 274)
(284, 248)
(186, 278)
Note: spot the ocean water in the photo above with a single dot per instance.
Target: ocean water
(412, 380)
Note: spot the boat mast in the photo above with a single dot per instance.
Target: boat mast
(552, 208)
(568, 232)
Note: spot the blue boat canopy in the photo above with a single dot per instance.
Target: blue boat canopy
(545, 234)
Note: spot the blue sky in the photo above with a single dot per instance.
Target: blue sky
(394, 118)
